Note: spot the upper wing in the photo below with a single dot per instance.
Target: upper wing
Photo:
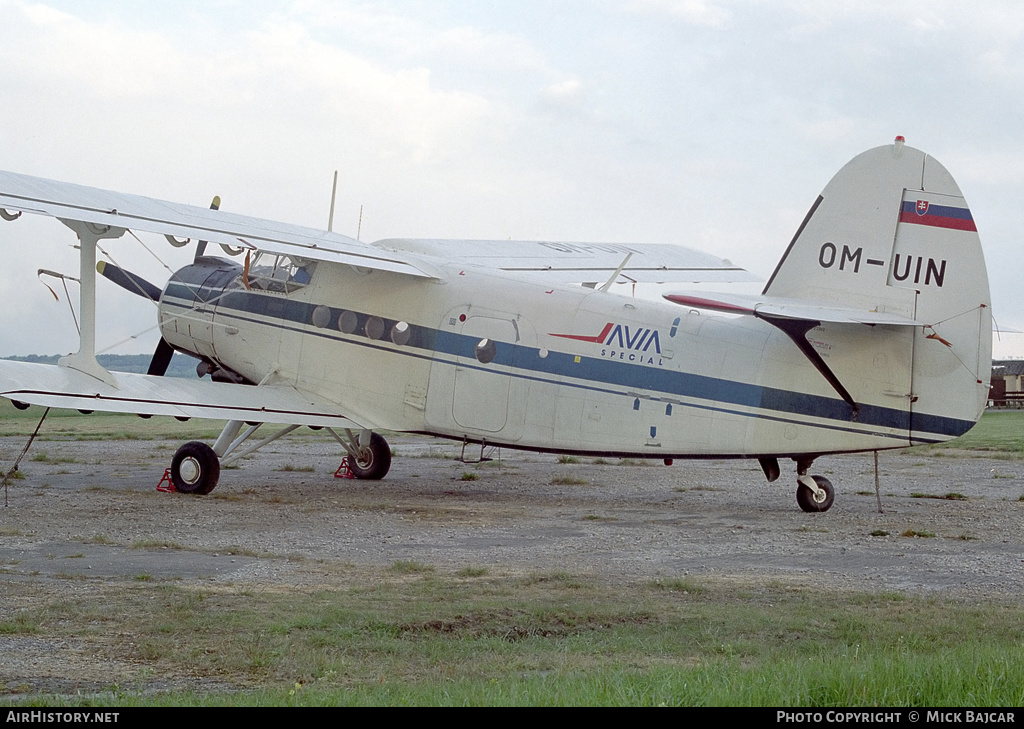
(64, 387)
(551, 261)
(103, 207)
(580, 262)
(783, 308)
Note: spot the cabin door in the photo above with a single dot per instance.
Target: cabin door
(482, 383)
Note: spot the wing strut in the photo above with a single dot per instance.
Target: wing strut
(84, 360)
(618, 270)
(796, 330)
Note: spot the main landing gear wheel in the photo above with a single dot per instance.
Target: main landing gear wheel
(195, 469)
(811, 501)
(373, 461)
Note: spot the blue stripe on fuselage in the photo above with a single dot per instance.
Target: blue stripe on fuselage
(591, 369)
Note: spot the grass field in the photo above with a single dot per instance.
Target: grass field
(407, 635)
(410, 634)
(999, 431)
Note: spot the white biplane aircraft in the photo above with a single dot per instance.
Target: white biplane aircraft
(873, 332)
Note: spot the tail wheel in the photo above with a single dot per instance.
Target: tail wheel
(374, 461)
(810, 501)
(195, 469)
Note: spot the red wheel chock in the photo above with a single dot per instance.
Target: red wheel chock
(343, 470)
(169, 488)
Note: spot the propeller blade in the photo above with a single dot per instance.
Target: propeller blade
(201, 248)
(161, 358)
(128, 281)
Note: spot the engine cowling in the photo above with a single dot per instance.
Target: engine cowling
(188, 306)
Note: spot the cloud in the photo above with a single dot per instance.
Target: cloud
(403, 39)
(266, 97)
(696, 12)
(260, 115)
(637, 120)
(565, 96)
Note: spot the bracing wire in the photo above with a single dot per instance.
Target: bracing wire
(14, 468)
(159, 260)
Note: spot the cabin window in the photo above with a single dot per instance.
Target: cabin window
(321, 317)
(374, 327)
(400, 333)
(485, 351)
(347, 322)
(281, 274)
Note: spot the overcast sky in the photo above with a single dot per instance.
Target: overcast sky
(710, 124)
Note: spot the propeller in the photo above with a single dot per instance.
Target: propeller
(201, 248)
(140, 287)
(161, 358)
(128, 280)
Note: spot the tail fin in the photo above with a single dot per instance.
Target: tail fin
(892, 233)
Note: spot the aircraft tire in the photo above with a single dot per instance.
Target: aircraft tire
(195, 469)
(376, 463)
(805, 497)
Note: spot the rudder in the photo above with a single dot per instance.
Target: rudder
(891, 232)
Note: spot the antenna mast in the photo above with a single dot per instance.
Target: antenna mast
(334, 193)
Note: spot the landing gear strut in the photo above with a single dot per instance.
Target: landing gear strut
(196, 466)
(817, 499)
(813, 493)
(369, 455)
(373, 461)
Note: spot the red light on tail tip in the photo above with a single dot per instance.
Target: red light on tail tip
(900, 138)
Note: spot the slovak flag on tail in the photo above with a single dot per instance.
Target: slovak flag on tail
(924, 212)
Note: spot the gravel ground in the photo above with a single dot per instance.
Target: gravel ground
(91, 510)
(528, 512)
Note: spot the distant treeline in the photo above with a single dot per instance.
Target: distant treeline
(181, 364)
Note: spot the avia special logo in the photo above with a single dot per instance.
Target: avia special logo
(641, 344)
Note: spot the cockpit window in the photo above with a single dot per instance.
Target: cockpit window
(283, 274)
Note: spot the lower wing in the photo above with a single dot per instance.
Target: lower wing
(63, 387)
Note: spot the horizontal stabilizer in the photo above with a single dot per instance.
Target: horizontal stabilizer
(783, 308)
(63, 387)
(66, 201)
(558, 262)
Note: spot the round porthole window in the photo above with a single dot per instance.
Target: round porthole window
(375, 327)
(486, 350)
(321, 317)
(347, 322)
(400, 333)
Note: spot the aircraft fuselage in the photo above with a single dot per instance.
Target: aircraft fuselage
(481, 356)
